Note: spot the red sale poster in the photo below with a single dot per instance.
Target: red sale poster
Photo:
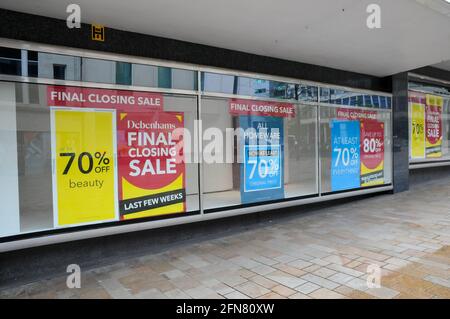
(260, 108)
(433, 125)
(151, 164)
(103, 98)
(372, 152)
(355, 114)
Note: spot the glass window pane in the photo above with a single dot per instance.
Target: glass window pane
(350, 98)
(9, 171)
(34, 158)
(54, 66)
(300, 152)
(218, 83)
(10, 61)
(97, 128)
(184, 79)
(429, 88)
(95, 70)
(145, 75)
(307, 93)
(123, 73)
(249, 87)
(164, 77)
(281, 164)
(252, 87)
(429, 125)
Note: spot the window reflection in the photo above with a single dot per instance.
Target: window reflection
(350, 98)
(261, 88)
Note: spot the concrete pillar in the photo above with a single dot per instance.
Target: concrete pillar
(400, 132)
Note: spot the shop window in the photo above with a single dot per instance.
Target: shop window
(429, 124)
(277, 166)
(76, 156)
(355, 148)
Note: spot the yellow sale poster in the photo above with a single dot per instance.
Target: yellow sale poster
(433, 125)
(417, 130)
(84, 187)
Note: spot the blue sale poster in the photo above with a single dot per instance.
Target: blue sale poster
(345, 154)
(262, 163)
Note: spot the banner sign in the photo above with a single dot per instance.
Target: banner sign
(151, 164)
(263, 164)
(372, 153)
(345, 156)
(433, 125)
(84, 183)
(103, 98)
(354, 114)
(260, 108)
(417, 130)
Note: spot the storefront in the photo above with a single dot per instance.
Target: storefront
(94, 144)
(429, 122)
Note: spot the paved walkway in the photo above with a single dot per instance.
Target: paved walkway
(324, 254)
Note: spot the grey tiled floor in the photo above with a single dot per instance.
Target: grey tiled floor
(320, 255)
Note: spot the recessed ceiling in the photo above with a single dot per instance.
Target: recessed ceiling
(330, 33)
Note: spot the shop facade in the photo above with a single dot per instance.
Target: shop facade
(103, 143)
(100, 141)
